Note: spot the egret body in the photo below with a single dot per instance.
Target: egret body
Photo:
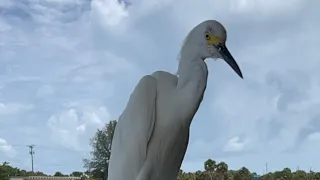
(152, 133)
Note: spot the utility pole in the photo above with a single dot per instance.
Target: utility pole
(31, 152)
(309, 174)
(266, 167)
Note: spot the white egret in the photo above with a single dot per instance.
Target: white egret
(152, 134)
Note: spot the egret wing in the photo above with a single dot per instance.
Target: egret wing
(133, 131)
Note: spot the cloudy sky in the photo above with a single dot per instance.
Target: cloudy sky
(68, 66)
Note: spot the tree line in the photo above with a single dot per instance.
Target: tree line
(97, 166)
(6, 171)
(220, 171)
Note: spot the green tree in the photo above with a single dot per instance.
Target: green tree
(38, 173)
(222, 170)
(201, 175)
(210, 167)
(231, 174)
(58, 174)
(277, 175)
(316, 176)
(6, 171)
(286, 174)
(300, 175)
(180, 175)
(97, 166)
(76, 174)
(243, 174)
(269, 176)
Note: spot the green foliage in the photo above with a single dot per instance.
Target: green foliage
(6, 171)
(76, 174)
(210, 165)
(58, 174)
(299, 175)
(214, 171)
(243, 174)
(97, 166)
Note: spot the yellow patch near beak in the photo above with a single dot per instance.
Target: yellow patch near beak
(213, 40)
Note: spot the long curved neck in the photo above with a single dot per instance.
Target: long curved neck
(192, 74)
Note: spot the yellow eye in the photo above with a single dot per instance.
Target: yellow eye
(207, 36)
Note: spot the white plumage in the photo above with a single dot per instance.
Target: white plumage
(152, 134)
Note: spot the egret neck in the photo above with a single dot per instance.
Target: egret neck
(192, 71)
(192, 81)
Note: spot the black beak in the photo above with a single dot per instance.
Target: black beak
(226, 55)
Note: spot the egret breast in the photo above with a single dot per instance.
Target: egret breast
(170, 137)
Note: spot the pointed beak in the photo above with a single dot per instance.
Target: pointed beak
(226, 55)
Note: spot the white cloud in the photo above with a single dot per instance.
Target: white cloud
(235, 145)
(314, 136)
(45, 90)
(4, 27)
(6, 3)
(270, 8)
(14, 108)
(229, 10)
(74, 127)
(109, 12)
(6, 148)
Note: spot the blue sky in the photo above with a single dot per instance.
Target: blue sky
(69, 66)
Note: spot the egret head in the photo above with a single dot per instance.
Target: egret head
(208, 39)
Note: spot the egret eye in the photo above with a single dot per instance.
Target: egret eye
(207, 36)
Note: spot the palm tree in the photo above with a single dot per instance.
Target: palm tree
(222, 169)
(210, 167)
(245, 173)
(5, 163)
